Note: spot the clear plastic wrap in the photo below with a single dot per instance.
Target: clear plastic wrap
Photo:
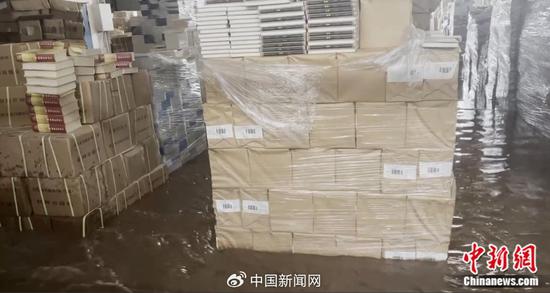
(498, 56)
(335, 154)
(177, 105)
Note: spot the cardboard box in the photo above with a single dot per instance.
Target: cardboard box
(141, 121)
(402, 247)
(255, 209)
(315, 244)
(29, 4)
(158, 177)
(128, 196)
(219, 127)
(291, 211)
(359, 80)
(435, 172)
(12, 162)
(399, 170)
(152, 153)
(429, 218)
(54, 28)
(313, 168)
(30, 30)
(72, 197)
(431, 250)
(272, 242)
(95, 100)
(358, 169)
(356, 246)
(333, 126)
(116, 176)
(431, 124)
(231, 69)
(14, 111)
(233, 237)
(384, 23)
(143, 91)
(134, 160)
(327, 82)
(246, 131)
(381, 125)
(227, 205)
(76, 227)
(14, 198)
(229, 167)
(123, 94)
(117, 133)
(334, 212)
(381, 215)
(10, 70)
(74, 29)
(270, 168)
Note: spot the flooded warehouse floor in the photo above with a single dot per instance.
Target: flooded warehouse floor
(165, 242)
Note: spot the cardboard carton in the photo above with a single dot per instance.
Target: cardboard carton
(95, 100)
(12, 160)
(431, 250)
(30, 30)
(313, 168)
(158, 177)
(315, 244)
(255, 209)
(334, 212)
(227, 205)
(359, 80)
(142, 88)
(54, 28)
(14, 111)
(152, 154)
(14, 198)
(429, 218)
(116, 176)
(233, 237)
(117, 133)
(431, 124)
(29, 4)
(226, 70)
(400, 247)
(219, 127)
(399, 170)
(358, 169)
(246, 131)
(381, 215)
(291, 211)
(272, 242)
(229, 167)
(269, 167)
(333, 126)
(123, 94)
(141, 123)
(356, 246)
(384, 23)
(381, 125)
(435, 172)
(10, 70)
(326, 66)
(134, 161)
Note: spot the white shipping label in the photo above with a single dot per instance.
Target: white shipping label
(256, 207)
(404, 255)
(404, 73)
(404, 172)
(219, 131)
(249, 132)
(228, 205)
(440, 70)
(435, 169)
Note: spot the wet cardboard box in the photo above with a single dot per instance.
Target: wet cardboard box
(95, 100)
(358, 80)
(123, 94)
(381, 125)
(12, 163)
(431, 124)
(141, 122)
(14, 197)
(117, 134)
(14, 111)
(143, 92)
(291, 210)
(152, 154)
(11, 72)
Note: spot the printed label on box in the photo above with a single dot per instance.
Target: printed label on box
(219, 131)
(249, 132)
(256, 207)
(228, 205)
(435, 169)
(404, 73)
(440, 70)
(393, 254)
(404, 172)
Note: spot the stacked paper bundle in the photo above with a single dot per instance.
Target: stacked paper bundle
(84, 61)
(213, 28)
(283, 29)
(333, 25)
(50, 75)
(244, 31)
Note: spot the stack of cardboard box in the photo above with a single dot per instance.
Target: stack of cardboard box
(373, 175)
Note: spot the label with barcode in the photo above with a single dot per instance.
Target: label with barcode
(405, 73)
(249, 132)
(440, 70)
(219, 131)
(256, 207)
(228, 205)
(435, 169)
(404, 172)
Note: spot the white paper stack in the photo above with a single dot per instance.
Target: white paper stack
(333, 26)
(244, 31)
(213, 27)
(283, 29)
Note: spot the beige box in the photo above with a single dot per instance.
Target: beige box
(95, 100)
(359, 80)
(54, 28)
(122, 94)
(381, 215)
(14, 198)
(12, 73)
(334, 212)
(358, 169)
(143, 92)
(384, 23)
(270, 167)
(115, 174)
(118, 135)
(429, 218)
(272, 242)
(227, 205)
(357, 246)
(158, 177)
(325, 78)
(431, 124)
(291, 211)
(229, 71)
(435, 172)
(233, 237)
(400, 247)
(431, 250)
(229, 167)
(30, 30)
(247, 132)
(255, 209)
(381, 125)
(12, 162)
(315, 244)
(152, 153)
(134, 160)
(141, 123)
(130, 194)
(315, 168)
(219, 125)
(399, 170)
(14, 111)
(333, 126)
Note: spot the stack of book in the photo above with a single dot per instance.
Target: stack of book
(84, 61)
(283, 29)
(244, 30)
(124, 61)
(51, 82)
(212, 23)
(332, 26)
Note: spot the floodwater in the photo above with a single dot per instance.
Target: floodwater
(165, 242)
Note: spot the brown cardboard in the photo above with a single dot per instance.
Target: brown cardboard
(14, 111)
(129, 195)
(399, 170)
(327, 81)
(234, 72)
(158, 177)
(141, 121)
(54, 28)
(41, 223)
(384, 23)
(381, 125)
(333, 126)
(362, 247)
(72, 197)
(95, 100)
(12, 162)
(227, 206)
(233, 237)
(272, 242)
(334, 212)
(241, 122)
(134, 160)
(122, 93)
(429, 218)
(313, 168)
(14, 198)
(400, 247)
(29, 4)
(381, 215)
(359, 80)
(143, 92)
(116, 176)
(315, 244)
(229, 167)
(10, 69)
(270, 168)
(219, 127)
(435, 172)
(151, 152)
(76, 227)
(255, 209)
(291, 211)
(74, 29)
(431, 124)
(30, 30)
(117, 134)
(431, 250)
(358, 169)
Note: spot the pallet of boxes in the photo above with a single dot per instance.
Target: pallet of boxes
(372, 174)
(88, 149)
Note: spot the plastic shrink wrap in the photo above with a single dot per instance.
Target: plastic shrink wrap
(336, 154)
(177, 105)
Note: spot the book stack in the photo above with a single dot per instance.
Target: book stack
(244, 31)
(332, 26)
(124, 61)
(283, 29)
(212, 23)
(50, 76)
(84, 62)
